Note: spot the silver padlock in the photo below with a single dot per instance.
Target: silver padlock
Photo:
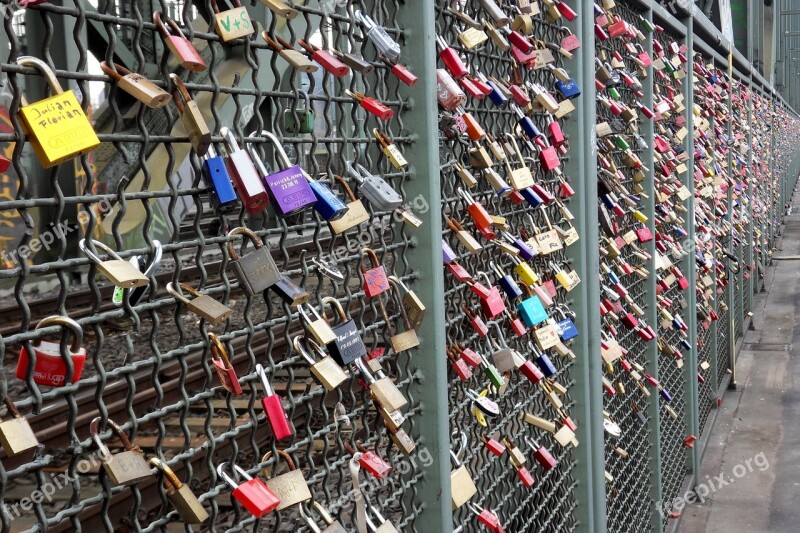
(374, 188)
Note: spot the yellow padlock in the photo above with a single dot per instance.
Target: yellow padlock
(57, 128)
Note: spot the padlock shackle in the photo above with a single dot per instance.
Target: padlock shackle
(308, 47)
(393, 281)
(355, 171)
(383, 140)
(279, 151)
(262, 374)
(271, 42)
(228, 479)
(116, 73)
(218, 350)
(94, 430)
(176, 291)
(246, 232)
(183, 94)
(373, 256)
(329, 300)
(366, 20)
(346, 187)
(286, 457)
(91, 255)
(170, 477)
(326, 516)
(362, 367)
(308, 520)
(64, 322)
(44, 69)
(12, 409)
(160, 18)
(456, 455)
(297, 342)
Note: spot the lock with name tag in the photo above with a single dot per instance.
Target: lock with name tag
(291, 486)
(125, 468)
(348, 345)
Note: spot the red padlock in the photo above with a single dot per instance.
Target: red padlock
(375, 280)
(402, 72)
(51, 369)
(476, 322)
(181, 47)
(461, 368)
(525, 476)
(222, 364)
(253, 494)
(273, 408)
(494, 305)
(371, 105)
(542, 455)
(493, 446)
(469, 355)
(373, 463)
(548, 158)
(532, 372)
(327, 60)
(481, 217)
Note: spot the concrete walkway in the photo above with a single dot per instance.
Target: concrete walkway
(755, 445)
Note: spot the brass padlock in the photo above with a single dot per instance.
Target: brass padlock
(186, 503)
(290, 486)
(126, 468)
(120, 272)
(280, 8)
(256, 271)
(318, 327)
(137, 86)
(202, 305)
(57, 128)
(191, 117)
(232, 24)
(462, 485)
(333, 525)
(16, 435)
(382, 389)
(296, 59)
(479, 158)
(403, 441)
(356, 212)
(413, 305)
(326, 370)
(405, 340)
(390, 150)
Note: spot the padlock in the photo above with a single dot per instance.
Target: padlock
(304, 121)
(291, 486)
(280, 8)
(348, 345)
(383, 42)
(233, 23)
(290, 292)
(289, 188)
(120, 272)
(137, 86)
(410, 301)
(356, 212)
(478, 212)
(463, 487)
(16, 434)
(390, 150)
(327, 372)
(56, 127)
(492, 373)
(382, 526)
(202, 305)
(253, 494)
(333, 526)
(183, 499)
(218, 183)
(256, 271)
(375, 280)
(487, 518)
(475, 321)
(126, 468)
(329, 206)
(318, 327)
(181, 47)
(542, 455)
(370, 461)
(405, 340)
(374, 188)
(276, 415)
(371, 105)
(222, 365)
(459, 365)
(382, 389)
(138, 293)
(244, 175)
(286, 50)
(503, 357)
(51, 368)
(191, 117)
(530, 309)
(464, 236)
(567, 328)
(325, 58)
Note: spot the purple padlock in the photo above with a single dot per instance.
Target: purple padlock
(288, 188)
(525, 251)
(449, 254)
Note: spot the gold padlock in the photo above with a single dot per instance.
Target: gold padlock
(465, 237)
(280, 8)
(233, 23)
(390, 150)
(202, 304)
(520, 178)
(191, 117)
(319, 327)
(291, 486)
(325, 369)
(462, 485)
(120, 272)
(382, 388)
(356, 212)
(137, 86)
(57, 128)
(479, 158)
(126, 468)
(405, 340)
(411, 302)
(296, 59)
(16, 435)
(403, 441)
(186, 503)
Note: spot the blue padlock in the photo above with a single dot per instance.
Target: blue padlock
(530, 196)
(531, 310)
(507, 283)
(218, 181)
(527, 124)
(546, 365)
(664, 394)
(329, 206)
(496, 96)
(568, 89)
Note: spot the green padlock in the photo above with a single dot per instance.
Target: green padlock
(302, 116)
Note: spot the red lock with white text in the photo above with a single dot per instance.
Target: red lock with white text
(51, 367)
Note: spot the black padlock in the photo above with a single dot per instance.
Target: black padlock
(348, 345)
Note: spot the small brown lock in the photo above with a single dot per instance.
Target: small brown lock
(296, 59)
(186, 503)
(191, 117)
(16, 435)
(202, 305)
(120, 272)
(137, 86)
(291, 486)
(126, 468)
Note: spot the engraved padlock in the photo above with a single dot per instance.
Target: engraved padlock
(56, 127)
(325, 369)
(256, 271)
(16, 434)
(348, 345)
(191, 117)
(181, 47)
(382, 389)
(120, 272)
(183, 499)
(222, 365)
(125, 468)
(233, 23)
(289, 188)
(356, 212)
(51, 368)
(137, 85)
(202, 305)
(291, 486)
